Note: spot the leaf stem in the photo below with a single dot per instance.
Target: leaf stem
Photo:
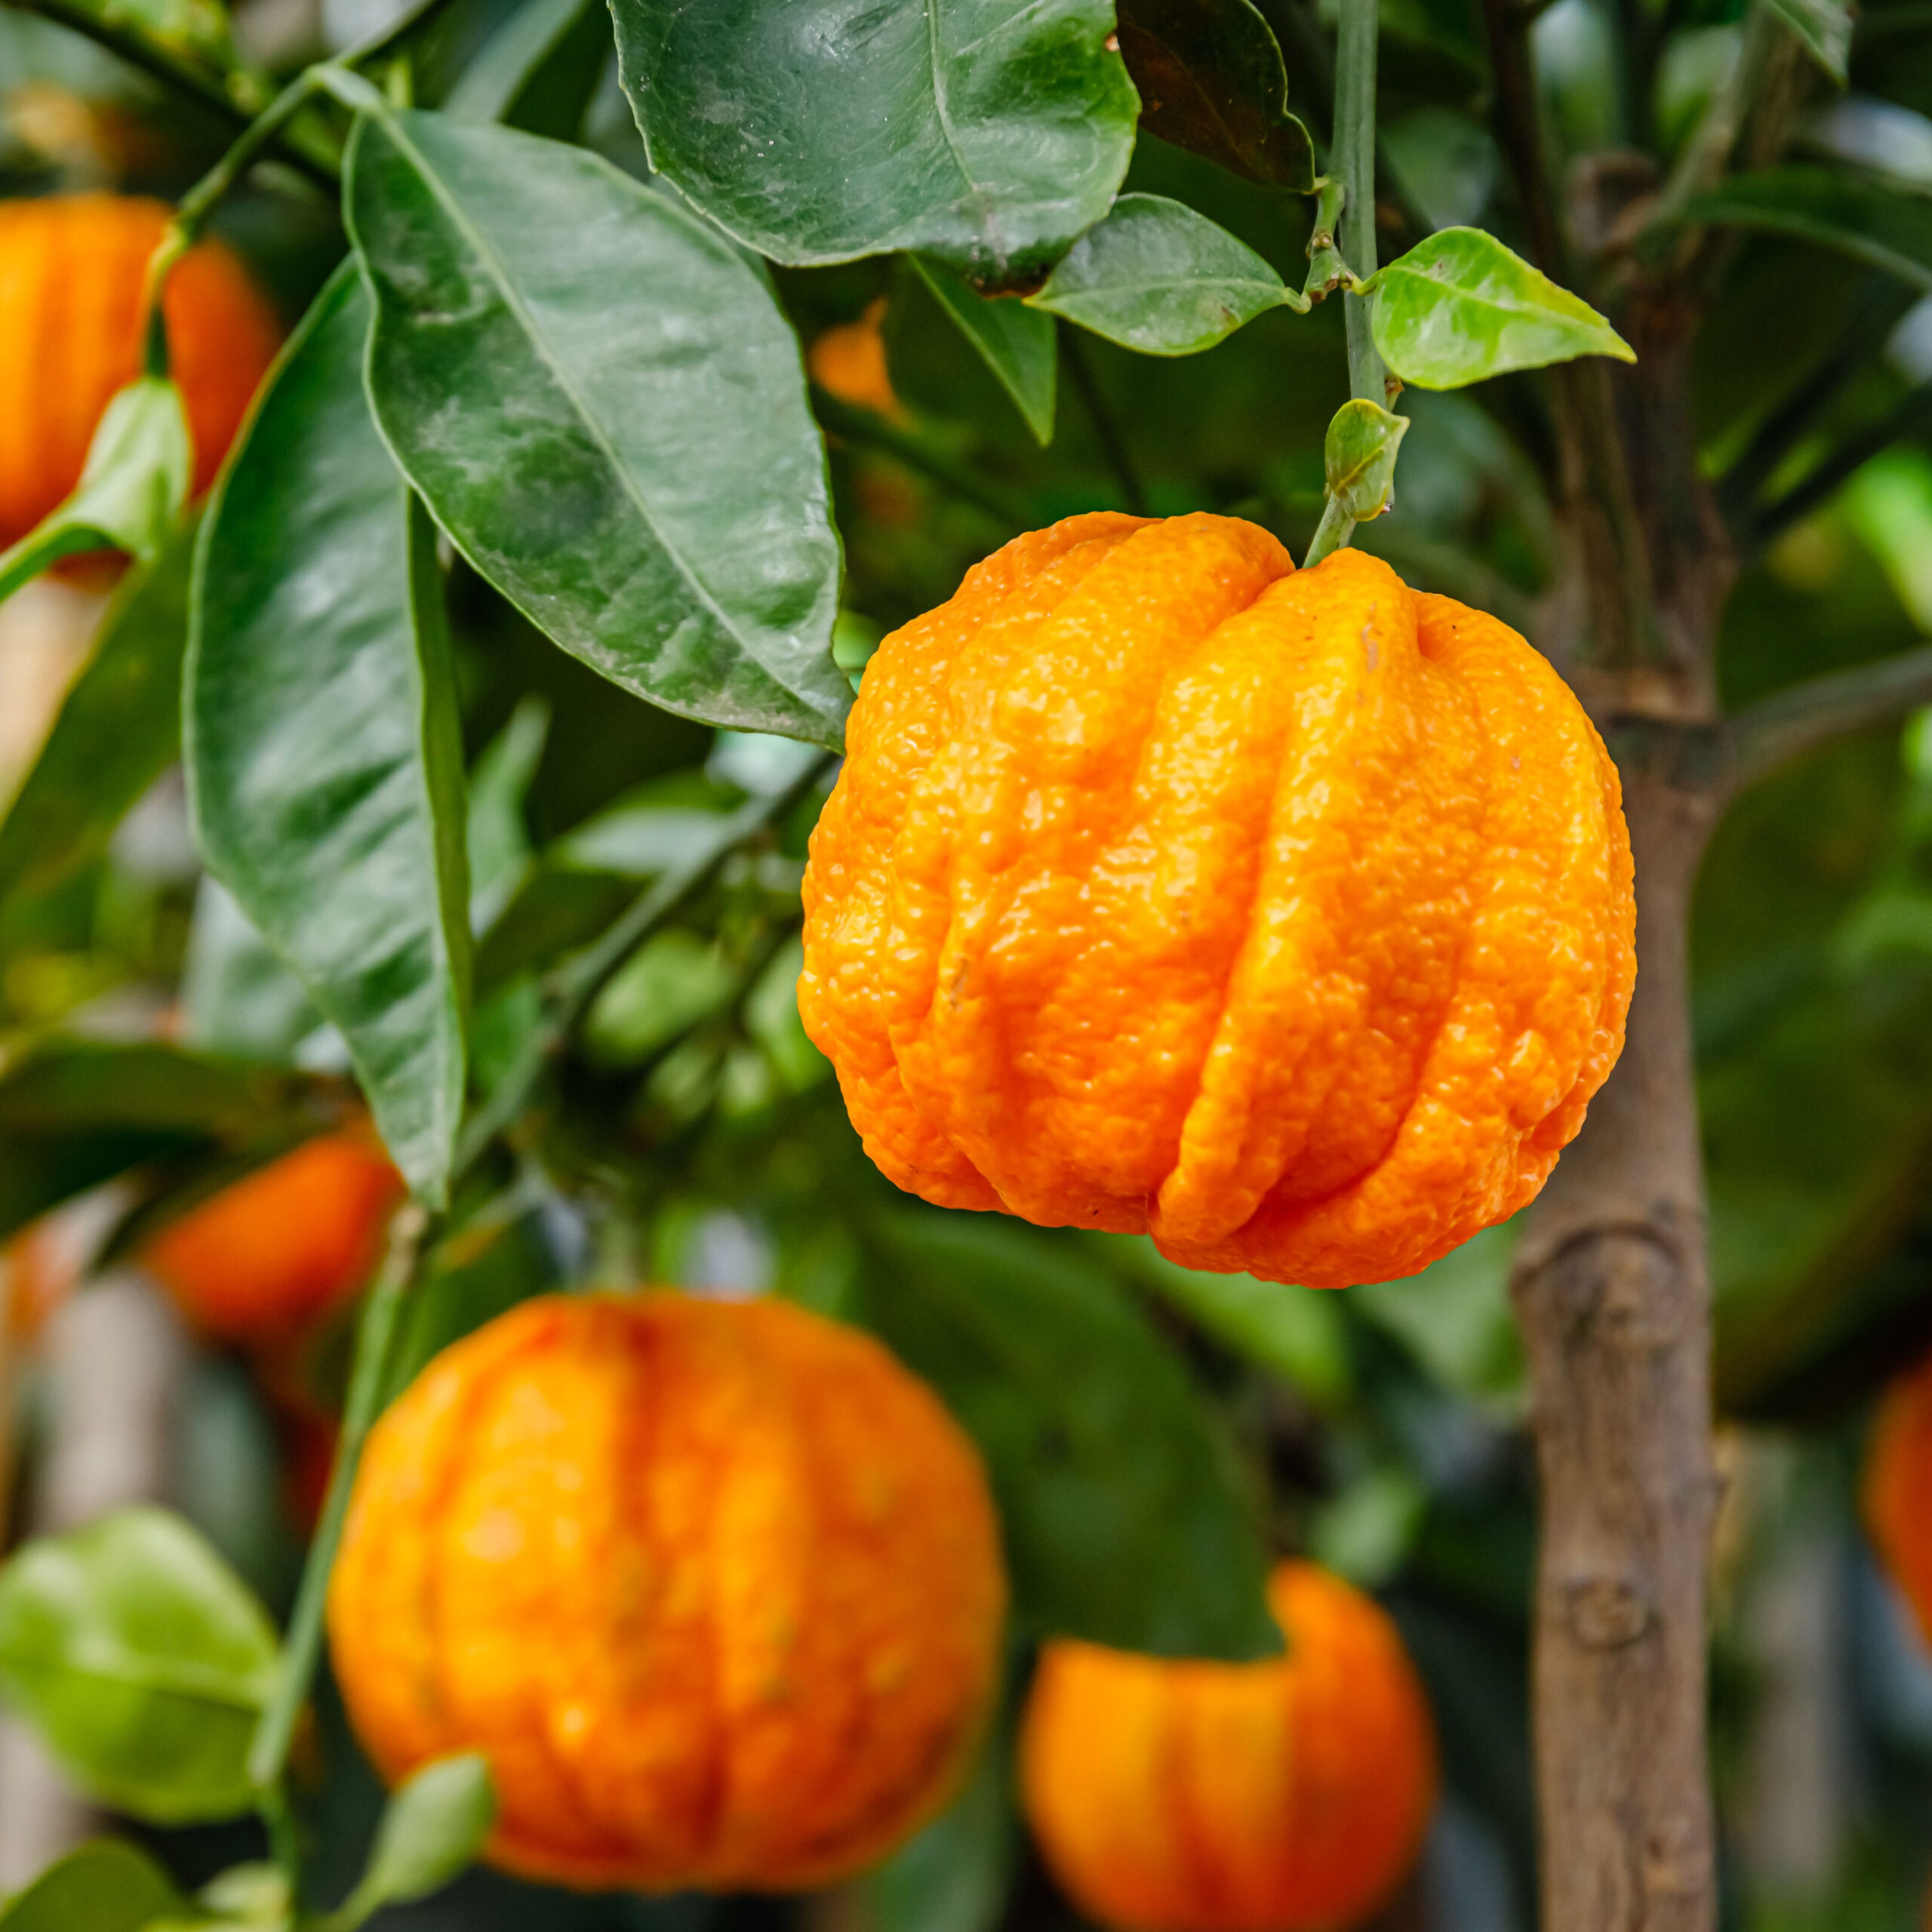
(1331, 533)
(1354, 159)
(1113, 446)
(268, 1756)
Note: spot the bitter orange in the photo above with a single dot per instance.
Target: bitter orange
(1898, 1488)
(1286, 916)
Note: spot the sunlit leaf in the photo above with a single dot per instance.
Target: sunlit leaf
(1126, 1522)
(1459, 307)
(105, 1885)
(322, 746)
(1211, 78)
(1875, 221)
(1358, 457)
(988, 133)
(1017, 344)
(601, 404)
(1158, 278)
(142, 1659)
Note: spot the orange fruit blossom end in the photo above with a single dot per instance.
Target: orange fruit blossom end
(1898, 1488)
(1288, 1795)
(268, 1257)
(72, 271)
(715, 1586)
(1283, 915)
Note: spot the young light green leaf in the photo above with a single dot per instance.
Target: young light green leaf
(1823, 27)
(130, 494)
(323, 751)
(117, 728)
(433, 1826)
(1211, 78)
(1016, 344)
(1126, 1520)
(988, 133)
(538, 70)
(105, 1885)
(1459, 308)
(143, 1660)
(1158, 278)
(1872, 220)
(602, 405)
(1358, 457)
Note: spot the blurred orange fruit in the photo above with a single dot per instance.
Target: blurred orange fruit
(715, 1586)
(1285, 916)
(849, 361)
(1288, 1795)
(72, 270)
(1898, 1488)
(265, 1258)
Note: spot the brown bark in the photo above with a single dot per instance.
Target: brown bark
(1612, 1292)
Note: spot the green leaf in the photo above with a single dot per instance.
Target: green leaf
(143, 1661)
(539, 70)
(1158, 278)
(1824, 27)
(118, 727)
(1873, 221)
(237, 996)
(1211, 78)
(103, 1886)
(497, 840)
(1358, 457)
(987, 133)
(953, 1875)
(199, 28)
(130, 494)
(1015, 343)
(1125, 1516)
(1459, 308)
(323, 755)
(615, 435)
(432, 1828)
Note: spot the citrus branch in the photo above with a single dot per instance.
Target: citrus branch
(1355, 164)
(1777, 729)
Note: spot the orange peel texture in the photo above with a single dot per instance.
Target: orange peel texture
(1283, 915)
(72, 271)
(1289, 1795)
(1898, 1489)
(715, 1586)
(265, 1260)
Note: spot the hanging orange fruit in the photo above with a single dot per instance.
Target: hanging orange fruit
(1289, 1795)
(265, 1258)
(715, 1587)
(1285, 916)
(1898, 1488)
(73, 267)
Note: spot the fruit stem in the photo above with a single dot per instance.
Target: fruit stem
(268, 1756)
(1332, 533)
(1353, 158)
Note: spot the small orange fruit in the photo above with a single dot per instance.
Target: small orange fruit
(72, 271)
(715, 1586)
(1898, 1488)
(1285, 915)
(848, 360)
(264, 1259)
(1289, 1795)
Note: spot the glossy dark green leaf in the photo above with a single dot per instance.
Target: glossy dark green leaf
(1875, 221)
(237, 995)
(988, 133)
(1460, 307)
(118, 727)
(322, 747)
(1358, 457)
(130, 494)
(1211, 78)
(539, 69)
(433, 1826)
(1126, 1520)
(142, 1659)
(1017, 345)
(1823, 27)
(1158, 278)
(105, 1885)
(601, 404)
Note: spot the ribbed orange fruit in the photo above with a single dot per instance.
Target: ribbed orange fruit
(1288, 1795)
(715, 1586)
(265, 1258)
(72, 271)
(1898, 1488)
(1285, 916)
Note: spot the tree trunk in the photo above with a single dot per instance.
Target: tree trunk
(1612, 1292)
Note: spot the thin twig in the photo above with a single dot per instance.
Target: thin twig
(867, 426)
(1354, 160)
(1911, 413)
(1777, 729)
(1113, 445)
